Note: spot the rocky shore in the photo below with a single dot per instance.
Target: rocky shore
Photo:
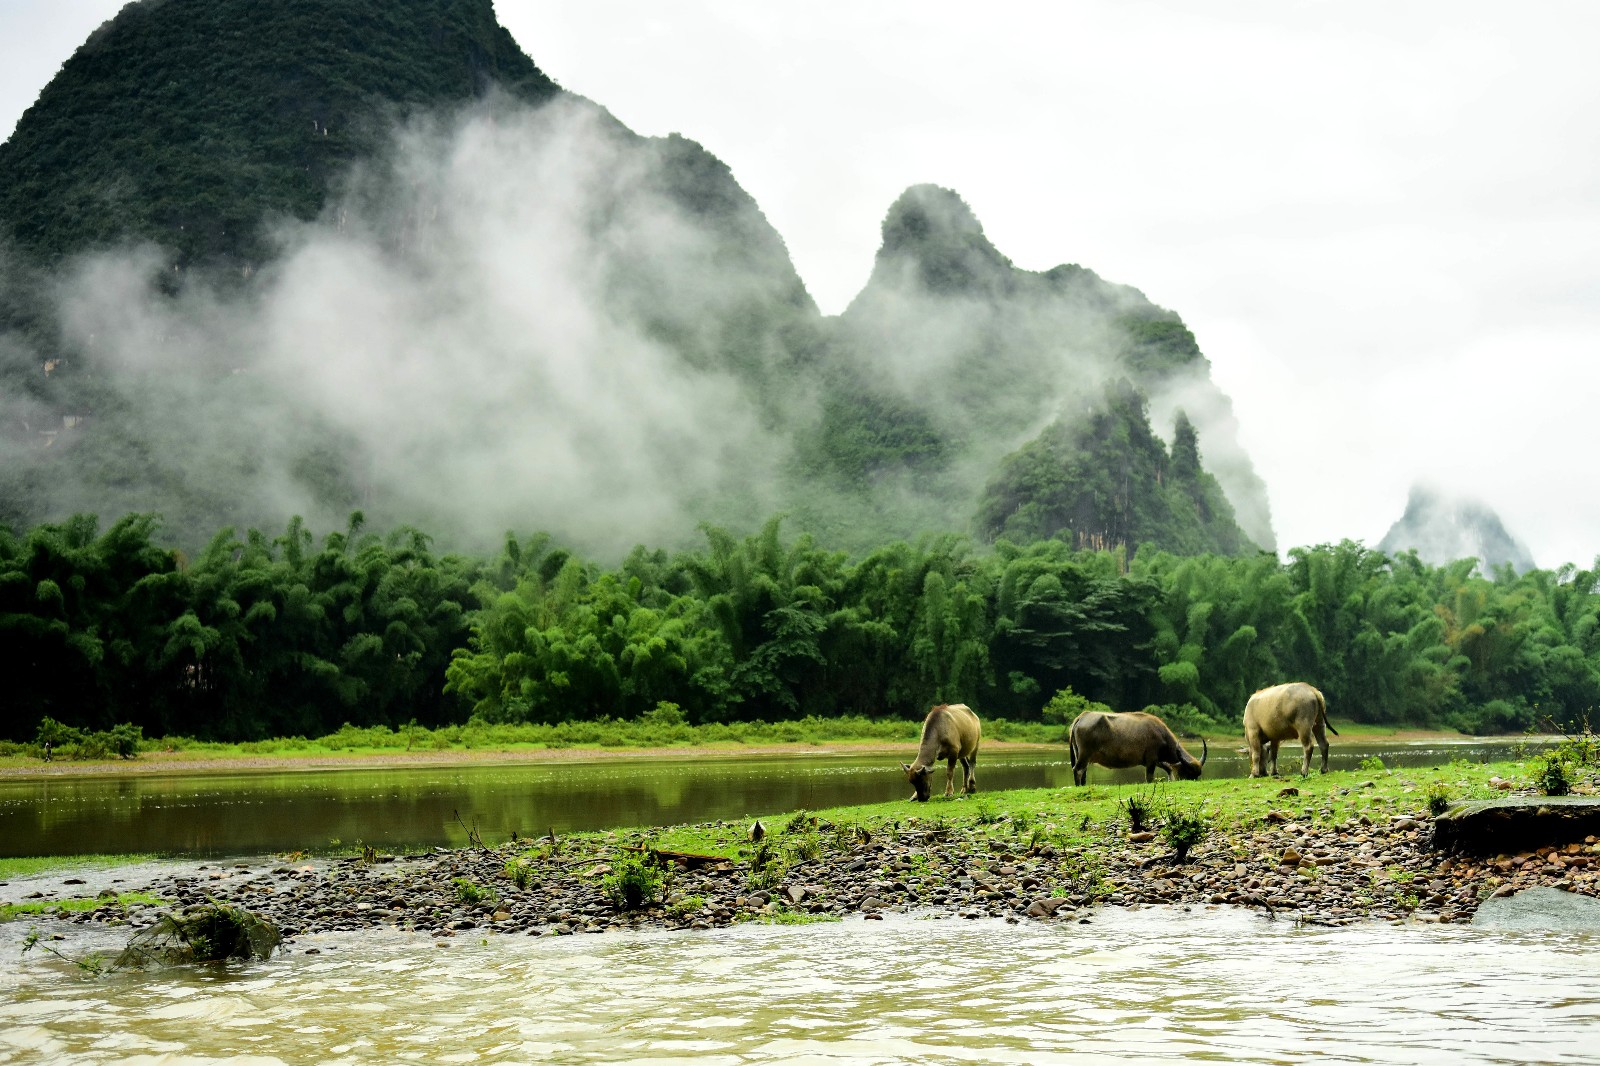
(1286, 866)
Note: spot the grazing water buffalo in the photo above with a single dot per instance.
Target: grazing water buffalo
(1285, 712)
(950, 732)
(1131, 738)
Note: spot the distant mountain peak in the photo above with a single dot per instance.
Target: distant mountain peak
(933, 235)
(1442, 528)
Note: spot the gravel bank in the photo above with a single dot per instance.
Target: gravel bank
(1360, 870)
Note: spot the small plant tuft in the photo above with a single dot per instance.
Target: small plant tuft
(1138, 809)
(807, 847)
(634, 881)
(767, 866)
(520, 874)
(1552, 774)
(687, 905)
(1438, 798)
(1371, 764)
(1183, 828)
(471, 893)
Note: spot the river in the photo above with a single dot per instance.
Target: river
(1146, 985)
(217, 814)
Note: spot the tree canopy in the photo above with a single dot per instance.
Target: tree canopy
(262, 635)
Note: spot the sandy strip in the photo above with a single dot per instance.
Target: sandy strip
(175, 762)
(187, 762)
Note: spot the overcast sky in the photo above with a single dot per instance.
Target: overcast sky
(1380, 219)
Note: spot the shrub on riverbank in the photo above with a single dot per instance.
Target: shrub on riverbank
(53, 740)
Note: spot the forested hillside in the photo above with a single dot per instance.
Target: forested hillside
(263, 635)
(321, 255)
(189, 124)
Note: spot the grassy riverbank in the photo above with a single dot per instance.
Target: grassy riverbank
(1081, 817)
(480, 742)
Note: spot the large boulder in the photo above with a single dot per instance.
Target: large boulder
(1515, 824)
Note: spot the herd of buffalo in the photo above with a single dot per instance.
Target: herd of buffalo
(1294, 711)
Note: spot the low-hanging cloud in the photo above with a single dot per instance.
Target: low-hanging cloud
(465, 340)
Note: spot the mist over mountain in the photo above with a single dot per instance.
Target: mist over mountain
(951, 351)
(319, 255)
(1441, 528)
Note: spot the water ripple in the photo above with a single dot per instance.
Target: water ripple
(1149, 985)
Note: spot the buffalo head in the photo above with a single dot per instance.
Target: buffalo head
(919, 781)
(1188, 768)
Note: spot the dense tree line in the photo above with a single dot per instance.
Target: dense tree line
(255, 637)
(259, 635)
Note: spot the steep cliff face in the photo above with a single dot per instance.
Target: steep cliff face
(1442, 529)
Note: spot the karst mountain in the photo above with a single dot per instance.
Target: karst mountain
(315, 256)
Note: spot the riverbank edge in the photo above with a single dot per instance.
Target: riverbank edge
(1349, 846)
(185, 762)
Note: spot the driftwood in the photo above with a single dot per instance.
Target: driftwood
(688, 859)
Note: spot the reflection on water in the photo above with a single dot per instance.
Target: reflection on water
(1145, 985)
(212, 814)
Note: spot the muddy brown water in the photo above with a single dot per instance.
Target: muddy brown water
(216, 814)
(1145, 985)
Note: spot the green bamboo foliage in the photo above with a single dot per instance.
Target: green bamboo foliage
(280, 635)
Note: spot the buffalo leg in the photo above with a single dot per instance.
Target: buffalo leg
(950, 777)
(970, 767)
(1322, 742)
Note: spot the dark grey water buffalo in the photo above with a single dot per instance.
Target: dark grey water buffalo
(1132, 738)
(950, 732)
(1285, 712)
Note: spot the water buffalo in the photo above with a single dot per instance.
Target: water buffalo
(1285, 712)
(1131, 738)
(950, 732)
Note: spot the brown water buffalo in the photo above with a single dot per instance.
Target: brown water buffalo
(1131, 738)
(1285, 712)
(950, 732)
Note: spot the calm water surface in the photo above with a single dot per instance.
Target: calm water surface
(1148, 985)
(216, 814)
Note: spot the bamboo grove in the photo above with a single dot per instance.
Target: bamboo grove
(260, 635)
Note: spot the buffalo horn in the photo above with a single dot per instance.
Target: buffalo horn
(1204, 751)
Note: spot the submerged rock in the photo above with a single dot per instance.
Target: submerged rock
(206, 932)
(1541, 908)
